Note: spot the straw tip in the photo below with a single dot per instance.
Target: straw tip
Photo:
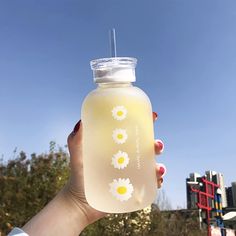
(113, 42)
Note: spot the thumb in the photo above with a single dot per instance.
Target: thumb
(74, 141)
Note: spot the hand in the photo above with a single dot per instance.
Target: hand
(75, 186)
(69, 212)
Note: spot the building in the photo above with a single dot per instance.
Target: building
(211, 176)
(191, 196)
(214, 200)
(234, 193)
(219, 179)
(229, 196)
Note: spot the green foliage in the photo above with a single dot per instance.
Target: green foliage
(175, 223)
(134, 223)
(28, 184)
(147, 222)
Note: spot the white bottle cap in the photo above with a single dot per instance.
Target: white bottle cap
(114, 69)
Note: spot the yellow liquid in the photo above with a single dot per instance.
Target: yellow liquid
(118, 149)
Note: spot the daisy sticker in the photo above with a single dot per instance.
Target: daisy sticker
(119, 112)
(119, 136)
(121, 189)
(120, 160)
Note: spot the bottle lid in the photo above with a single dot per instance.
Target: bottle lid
(114, 69)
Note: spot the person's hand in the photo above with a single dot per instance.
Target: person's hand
(75, 186)
(69, 212)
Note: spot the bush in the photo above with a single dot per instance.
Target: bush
(27, 185)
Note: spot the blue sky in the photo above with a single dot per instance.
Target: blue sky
(186, 55)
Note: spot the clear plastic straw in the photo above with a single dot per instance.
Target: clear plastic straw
(112, 34)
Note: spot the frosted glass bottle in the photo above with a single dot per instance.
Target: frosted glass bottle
(118, 140)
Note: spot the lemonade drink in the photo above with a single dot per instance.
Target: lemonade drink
(118, 141)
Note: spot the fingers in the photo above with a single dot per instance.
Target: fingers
(154, 116)
(75, 137)
(74, 141)
(159, 146)
(75, 148)
(160, 172)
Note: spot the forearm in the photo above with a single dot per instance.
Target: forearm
(61, 216)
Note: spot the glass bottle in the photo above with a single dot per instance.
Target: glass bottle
(118, 139)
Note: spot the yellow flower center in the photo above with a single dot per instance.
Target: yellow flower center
(121, 160)
(122, 190)
(120, 136)
(120, 113)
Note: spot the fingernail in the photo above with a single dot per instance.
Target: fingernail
(162, 170)
(155, 115)
(76, 128)
(161, 180)
(160, 145)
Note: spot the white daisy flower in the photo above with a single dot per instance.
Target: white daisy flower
(119, 112)
(121, 189)
(119, 136)
(120, 160)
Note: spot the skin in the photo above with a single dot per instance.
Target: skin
(69, 213)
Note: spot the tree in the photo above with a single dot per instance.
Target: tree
(162, 201)
(27, 185)
(147, 222)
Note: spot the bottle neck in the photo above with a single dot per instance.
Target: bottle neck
(115, 85)
(114, 70)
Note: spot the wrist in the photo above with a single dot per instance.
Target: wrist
(79, 204)
(75, 207)
(61, 216)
